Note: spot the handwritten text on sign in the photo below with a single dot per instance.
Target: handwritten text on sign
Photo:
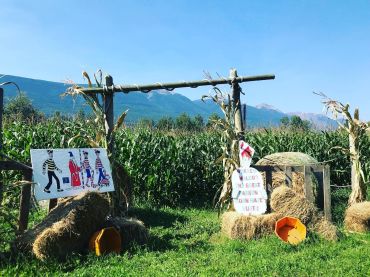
(248, 193)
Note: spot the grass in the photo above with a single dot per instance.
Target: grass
(188, 242)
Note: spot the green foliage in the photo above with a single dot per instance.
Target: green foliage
(165, 124)
(176, 169)
(296, 123)
(187, 242)
(21, 108)
(145, 123)
(183, 123)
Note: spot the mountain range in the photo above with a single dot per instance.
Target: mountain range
(45, 96)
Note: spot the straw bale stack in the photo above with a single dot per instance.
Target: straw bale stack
(357, 217)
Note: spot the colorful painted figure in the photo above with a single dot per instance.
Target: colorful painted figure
(50, 166)
(86, 166)
(74, 169)
(99, 167)
(105, 181)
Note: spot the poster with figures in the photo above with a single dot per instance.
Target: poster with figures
(248, 192)
(68, 172)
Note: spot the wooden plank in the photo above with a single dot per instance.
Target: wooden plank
(24, 207)
(297, 168)
(236, 104)
(13, 165)
(288, 176)
(265, 168)
(317, 168)
(320, 189)
(108, 110)
(173, 85)
(268, 188)
(308, 184)
(327, 195)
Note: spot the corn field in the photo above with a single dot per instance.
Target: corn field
(175, 169)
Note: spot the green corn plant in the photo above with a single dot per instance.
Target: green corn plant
(356, 131)
(103, 137)
(229, 138)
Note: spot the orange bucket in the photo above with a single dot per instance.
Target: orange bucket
(290, 230)
(105, 241)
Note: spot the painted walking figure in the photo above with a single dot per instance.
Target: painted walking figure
(74, 169)
(100, 168)
(86, 166)
(50, 166)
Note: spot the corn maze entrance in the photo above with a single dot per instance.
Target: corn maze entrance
(321, 172)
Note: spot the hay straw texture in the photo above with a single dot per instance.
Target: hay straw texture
(286, 202)
(357, 217)
(238, 226)
(133, 231)
(293, 159)
(287, 158)
(67, 228)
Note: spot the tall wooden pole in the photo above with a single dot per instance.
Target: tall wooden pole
(108, 110)
(236, 104)
(24, 207)
(109, 117)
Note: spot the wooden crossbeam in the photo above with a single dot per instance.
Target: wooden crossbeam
(174, 85)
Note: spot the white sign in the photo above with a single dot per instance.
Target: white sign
(68, 172)
(248, 193)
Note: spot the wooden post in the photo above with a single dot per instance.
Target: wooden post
(327, 196)
(1, 140)
(268, 187)
(236, 104)
(24, 208)
(319, 175)
(108, 110)
(244, 115)
(109, 117)
(308, 183)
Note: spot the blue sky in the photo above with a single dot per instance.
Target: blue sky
(309, 45)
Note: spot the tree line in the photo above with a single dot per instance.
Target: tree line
(21, 108)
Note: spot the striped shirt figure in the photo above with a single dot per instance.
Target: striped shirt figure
(50, 166)
(99, 167)
(86, 166)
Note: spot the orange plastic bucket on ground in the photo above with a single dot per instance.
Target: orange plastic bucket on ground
(105, 241)
(290, 230)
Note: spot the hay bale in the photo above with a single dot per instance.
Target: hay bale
(238, 226)
(67, 228)
(133, 231)
(287, 202)
(266, 224)
(357, 217)
(292, 159)
(287, 158)
(326, 230)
